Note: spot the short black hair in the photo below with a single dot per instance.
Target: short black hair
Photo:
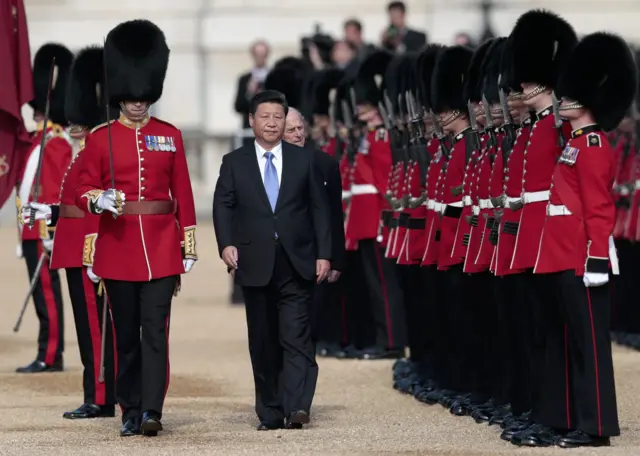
(353, 23)
(397, 5)
(269, 96)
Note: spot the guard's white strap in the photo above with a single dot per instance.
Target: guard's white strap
(554, 210)
(476, 210)
(485, 203)
(363, 189)
(535, 197)
(467, 200)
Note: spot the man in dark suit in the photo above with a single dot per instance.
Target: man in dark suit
(271, 220)
(327, 306)
(398, 37)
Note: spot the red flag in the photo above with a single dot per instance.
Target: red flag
(16, 89)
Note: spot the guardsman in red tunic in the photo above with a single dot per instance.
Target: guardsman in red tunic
(370, 179)
(37, 241)
(84, 109)
(536, 65)
(450, 106)
(577, 249)
(141, 252)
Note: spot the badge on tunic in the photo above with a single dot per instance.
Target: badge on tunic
(569, 156)
(154, 143)
(593, 140)
(364, 146)
(172, 144)
(147, 141)
(163, 143)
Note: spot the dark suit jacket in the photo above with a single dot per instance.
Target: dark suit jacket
(333, 185)
(413, 41)
(243, 218)
(242, 102)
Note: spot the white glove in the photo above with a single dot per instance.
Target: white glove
(19, 250)
(94, 278)
(43, 212)
(107, 201)
(188, 264)
(595, 279)
(47, 244)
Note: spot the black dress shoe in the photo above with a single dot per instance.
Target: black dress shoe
(536, 436)
(151, 424)
(90, 411)
(37, 367)
(270, 426)
(130, 427)
(378, 353)
(575, 439)
(297, 419)
(515, 427)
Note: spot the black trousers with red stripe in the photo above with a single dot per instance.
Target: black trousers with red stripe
(47, 298)
(578, 382)
(386, 300)
(87, 313)
(140, 312)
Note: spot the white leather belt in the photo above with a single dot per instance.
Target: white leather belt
(476, 210)
(485, 204)
(346, 194)
(535, 197)
(439, 207)
(363, 189)
(467, 201)
(456, 204)
(511, 199)
(431, 204)
(554, 210)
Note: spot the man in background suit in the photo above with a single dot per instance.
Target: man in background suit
(397, 37)
(327, 308)
(271, 219)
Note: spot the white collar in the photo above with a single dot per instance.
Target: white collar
(276, 151)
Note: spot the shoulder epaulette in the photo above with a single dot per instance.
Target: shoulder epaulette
(98, 127)
(164, 122)
(594, 140)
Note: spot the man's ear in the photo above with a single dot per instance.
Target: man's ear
(251, 120)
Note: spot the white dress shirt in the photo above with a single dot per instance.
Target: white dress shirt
(277, 160)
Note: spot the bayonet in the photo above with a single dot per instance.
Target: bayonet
(487, 112)
(384, 115)
(474, 124)
(43, 141)
(389, 106)
(557, 120)
(508, 126)
(352, 97)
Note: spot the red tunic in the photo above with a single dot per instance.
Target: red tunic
(412, 190)
(58, 151)
(463, 231)
(149, 165)
(512, 188)
(391, 228)
(69, 237)
(581, 210)
(480, 176)
(451, 204)
(432, 228)
(539, 163)
(369, 184)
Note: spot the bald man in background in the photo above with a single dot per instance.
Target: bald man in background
(326, 312)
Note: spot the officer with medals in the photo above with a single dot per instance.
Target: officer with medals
(578, 406)
(141, 189)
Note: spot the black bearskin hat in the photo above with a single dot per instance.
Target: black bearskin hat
(368, 89)
(508, 82)
(542, 41)
(491, 70)
(323, 82)
(475, 76)
(137, 57)
(425, 65)
(85, 102)
(601, 75)
(287, 80)
(293, 62)
(449, 77)
(41, 68)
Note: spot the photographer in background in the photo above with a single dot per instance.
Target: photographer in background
(397, 37)
(252, 82)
